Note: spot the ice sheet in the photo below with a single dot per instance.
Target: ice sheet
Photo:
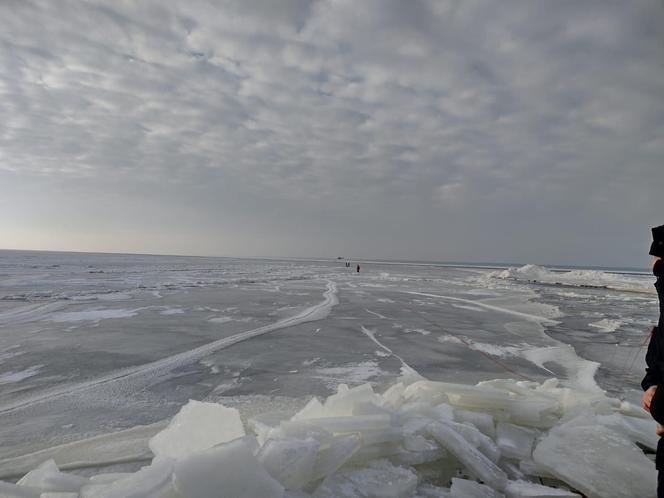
(596, 460)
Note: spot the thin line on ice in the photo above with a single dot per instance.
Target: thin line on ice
(526, 316)
(405, 367)
(144, 373)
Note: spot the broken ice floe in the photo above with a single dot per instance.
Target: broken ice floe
(500, 438)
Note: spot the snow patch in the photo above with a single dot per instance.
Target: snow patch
(607, 325)
(17, 376)
(94, 315)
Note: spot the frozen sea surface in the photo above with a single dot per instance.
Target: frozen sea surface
(94, 345)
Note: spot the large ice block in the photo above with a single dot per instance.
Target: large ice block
(380, 479)
(347, 424)
(462, 488)
(344, 402)
(515, 441)
(153, 481)
(9, 490)
(525, 489)
(49, 478)
(302, 429)
(313, 409)
(478, 439)
(430, 491)
(196, 427)
(394, 396)
(473, 459)
(228, 470)
(289, 461)
(483, 421)
(597, 461)
(335, 455)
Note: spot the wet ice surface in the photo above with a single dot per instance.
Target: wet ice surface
(95, 344)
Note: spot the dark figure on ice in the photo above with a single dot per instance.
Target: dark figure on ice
(653, 398)
(358, 268)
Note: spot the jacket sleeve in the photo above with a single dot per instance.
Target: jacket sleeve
(653, 375)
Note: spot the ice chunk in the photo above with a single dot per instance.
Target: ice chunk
(530, 468)
(430, 491)
(462, 488)
(416, 425)
(313, 409)
(9, 490)
(394, 396)
(346, 424)
(49, 478)
(345, 401)
(474, 460)
(380, 479)
(442, 412)
(370, 408)
(289, 461)
(335, 455)
(303, 430)
(483, 421)
(478, 439)
(514, 441)
(512, 469)
(635, 429)
(416, 442)
(525, 489)
(196, 427)
(228, 470)
(110, 477)
(432, 393)
(153, 481)
(389, 435)
(597, 461)
(417, 450)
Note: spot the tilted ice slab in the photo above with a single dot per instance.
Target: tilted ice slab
(414, 440)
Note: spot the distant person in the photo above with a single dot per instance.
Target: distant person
(653, 399)
(358, 268)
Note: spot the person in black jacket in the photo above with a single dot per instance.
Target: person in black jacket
(653, 399)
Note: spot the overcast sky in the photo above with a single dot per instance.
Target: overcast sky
(513, 131)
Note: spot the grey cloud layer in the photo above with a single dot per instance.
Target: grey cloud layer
(514, 131)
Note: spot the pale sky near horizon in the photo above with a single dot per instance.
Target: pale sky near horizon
(516, 131)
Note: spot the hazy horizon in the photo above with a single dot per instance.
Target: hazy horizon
(423, 130)
(354, 259)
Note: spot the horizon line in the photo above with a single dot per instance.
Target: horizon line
(480, 264)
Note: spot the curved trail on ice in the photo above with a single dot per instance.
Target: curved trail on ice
(133, 378)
